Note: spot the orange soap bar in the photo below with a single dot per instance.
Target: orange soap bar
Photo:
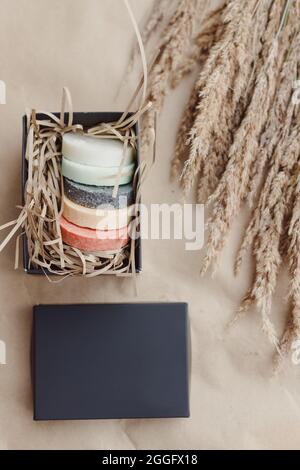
(90, 240)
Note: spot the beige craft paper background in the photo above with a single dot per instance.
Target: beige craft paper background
(235, 400)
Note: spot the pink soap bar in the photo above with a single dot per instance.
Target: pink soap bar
(90, 240)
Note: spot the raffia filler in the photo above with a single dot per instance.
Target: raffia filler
(40, 215)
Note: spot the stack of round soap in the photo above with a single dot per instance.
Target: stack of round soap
(93, 220)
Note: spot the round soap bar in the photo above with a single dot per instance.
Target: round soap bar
(90, 150)
(93, 241)
(94, 196)
(95, 175)
(100, 219)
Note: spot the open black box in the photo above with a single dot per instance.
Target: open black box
(87, 120)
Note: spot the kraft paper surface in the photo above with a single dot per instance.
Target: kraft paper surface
(236, 401)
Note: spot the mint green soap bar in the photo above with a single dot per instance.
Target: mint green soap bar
(95, 175)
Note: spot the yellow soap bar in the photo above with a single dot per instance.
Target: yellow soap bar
(100, 218)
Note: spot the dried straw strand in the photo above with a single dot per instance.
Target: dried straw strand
(232, 188)
(176, 40)
(239, 140)
(214, 82)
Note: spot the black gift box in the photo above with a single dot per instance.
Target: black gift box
(87, 120)
(110, 361)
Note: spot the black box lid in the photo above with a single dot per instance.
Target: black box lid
(111, 361)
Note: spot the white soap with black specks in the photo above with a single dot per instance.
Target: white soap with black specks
(96, 196)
